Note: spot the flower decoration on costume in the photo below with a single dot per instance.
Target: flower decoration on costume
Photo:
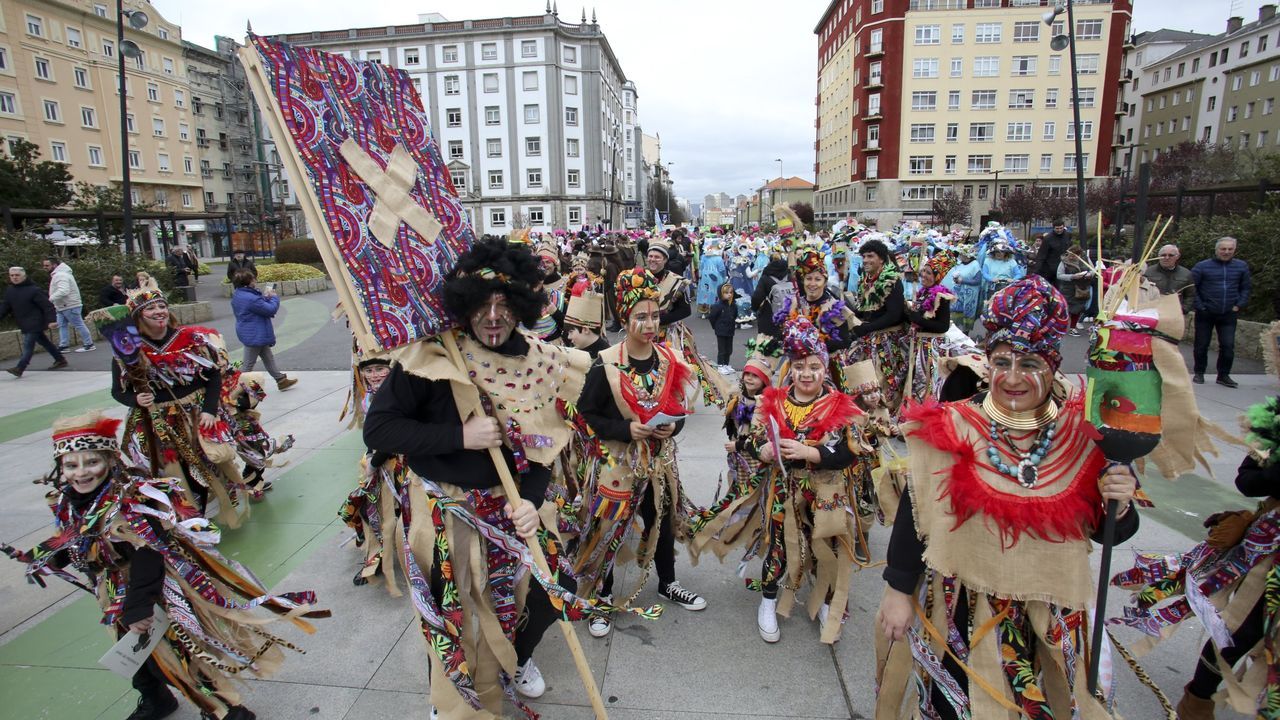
(809, 260)
(634, 285)
(142, 297)
(91, 431)
(800, 339)
(1262, 421)
(1031, 316)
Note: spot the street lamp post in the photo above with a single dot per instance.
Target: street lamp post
(669, 186)
(126, 48)
(1068, 42)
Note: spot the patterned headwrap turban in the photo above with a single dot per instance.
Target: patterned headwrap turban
(800, 339)
(941, 264)
(1031, 316)
(634, 285)
(138, 299)
(91, 431)
(809, 260)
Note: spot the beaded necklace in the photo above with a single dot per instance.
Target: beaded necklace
(645, 383)
(1027, 471)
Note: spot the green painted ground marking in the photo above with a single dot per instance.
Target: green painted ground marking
(51, 670)
(38, 419)
(1184, 504)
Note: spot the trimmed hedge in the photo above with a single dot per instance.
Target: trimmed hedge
(279, 272)
(1258, 244)
(298, 251)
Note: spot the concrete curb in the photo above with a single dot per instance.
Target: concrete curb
(185, 314)
(292, 287)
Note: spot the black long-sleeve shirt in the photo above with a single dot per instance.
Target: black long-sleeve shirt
(939, 323)
(211, 383)
(146, 566)
(891, 313)
(598, 407)
(1254, 480)
(418, 418)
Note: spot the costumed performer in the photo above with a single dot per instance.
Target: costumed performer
(139, 543)
(963, 281)
(512, 393)
(880, 335)
(711, 274)
(631, 384)
(999, 265)
(242, 393)
(987, 609)
(548, 326)
(673, 304)
(170, 377)
(930, 316)
(812, 299)
(584, 317)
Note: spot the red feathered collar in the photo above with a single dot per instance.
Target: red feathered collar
(673, 377)
(832, 411)
(1073, 467)
(184, 338)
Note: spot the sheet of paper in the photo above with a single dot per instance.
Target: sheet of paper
(663, 419)
(127, 655)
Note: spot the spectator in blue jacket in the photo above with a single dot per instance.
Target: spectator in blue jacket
(254, 310)
(1222, 288)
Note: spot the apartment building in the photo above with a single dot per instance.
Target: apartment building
(1148, 47)
(961, 96)
(59, 90)
(530, 112)
(1219, 89)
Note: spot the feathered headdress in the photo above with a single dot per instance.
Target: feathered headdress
(1262, 421)
(788, 222)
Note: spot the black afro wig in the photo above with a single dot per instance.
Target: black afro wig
(465, 291)
(875, 246)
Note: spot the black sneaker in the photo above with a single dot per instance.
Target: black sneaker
(1198, 378)
(58, 365)
(684, 598)
(15, 371)
(1226, 381)
(155, 706)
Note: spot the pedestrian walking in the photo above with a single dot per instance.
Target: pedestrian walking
(1223, 284)
(64, 293)
(34, 313)
(724, 321)
(1052, 247)
(254, 310)
(1172, 278)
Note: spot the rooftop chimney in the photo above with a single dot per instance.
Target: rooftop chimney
(1234, 23)
(1266, 12)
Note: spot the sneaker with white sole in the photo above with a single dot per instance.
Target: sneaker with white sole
(600, 625)
(435, 714)
(767, 620)
(87, 348)
(529, 682)
(686, 599)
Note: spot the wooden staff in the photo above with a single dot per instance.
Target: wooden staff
(512, 491)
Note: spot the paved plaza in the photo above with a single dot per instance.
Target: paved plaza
(369, 660)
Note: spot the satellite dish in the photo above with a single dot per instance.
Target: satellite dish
(1059, 42)
(130, 49)
(138, 19)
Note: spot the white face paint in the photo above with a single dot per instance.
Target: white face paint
(643, 322)
(807, 376)
(1019, 381)
(493, 322)
(84, 470)
(374, 375)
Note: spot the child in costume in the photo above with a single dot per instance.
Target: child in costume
(241, 394)
(930, 316)
(139, 543)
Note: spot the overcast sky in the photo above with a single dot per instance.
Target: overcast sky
(728, 84)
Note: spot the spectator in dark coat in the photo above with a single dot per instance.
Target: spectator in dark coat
(180, 266)
(1222, 285)
(112, 294)
(774, 272)
(240, 261)
(254, 310)
(1172, 278)
(33, 312)
(724, 321)
(1052, 248)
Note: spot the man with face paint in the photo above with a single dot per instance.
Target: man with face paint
(512, 394)
(882, 310)
(1006, 492)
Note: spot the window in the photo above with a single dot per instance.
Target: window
(979, 164)
(109, 48)
(1088, 29)
(88, 117)
(1055, 65)
(533, 177)
(1232, 113)
(873, 73)
(928, 34)
(489, 51)
(920, 164)
(162, 161)
(982, 132)
(924, 100)
(95, 156)
(1088, 96)
(1213, 102)
(411, 57)
(876, 43)
(1046, 163)
(498, 218)
(529, 48)
(188, 165)
(153, 92)
(52, 111)
(1069, 162)
(1017, 163)
(100, 10)
(571, 147)
(924, 68)
(953, 99)
(135, 159)
(1262, 43)
(1268, 106)
(529, 81)
(987, 33)
(532, 114)
(1051, 99)
(922, 132)
(957, 34)
(957, 67)
(535, 216)
(877, 6)
(953, 132)
(924, 192)
(1262, 138)
(163, 33)
(986, 66)
(1255, 77)
(459, 179)
(571, 116)
(157, 127)
(1022, 99)
(1026, 32)
(570, 54)
(495, 179)
(490, 82)
(4, 58)
(949, 164)
(42, 69)
(574, 178)
(452, 86)
(533, 146)
(129, 123)
(983, 100)
(571, 85)
(871, 193)
(455, 150)
(493, 147)
(873, 136)
(1050, 130)
(575, 216)
(166, 65)
(492, 115)
(35, 26)
(58, 151)
(1018, 132)
(450, 53)
(1024, 65)
(873, 168)
(1248, 110)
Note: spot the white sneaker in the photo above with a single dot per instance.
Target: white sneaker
(435, 714)
(529, 682)
(727, 370)
(600, 625)
(767, 620)
(86, 348)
